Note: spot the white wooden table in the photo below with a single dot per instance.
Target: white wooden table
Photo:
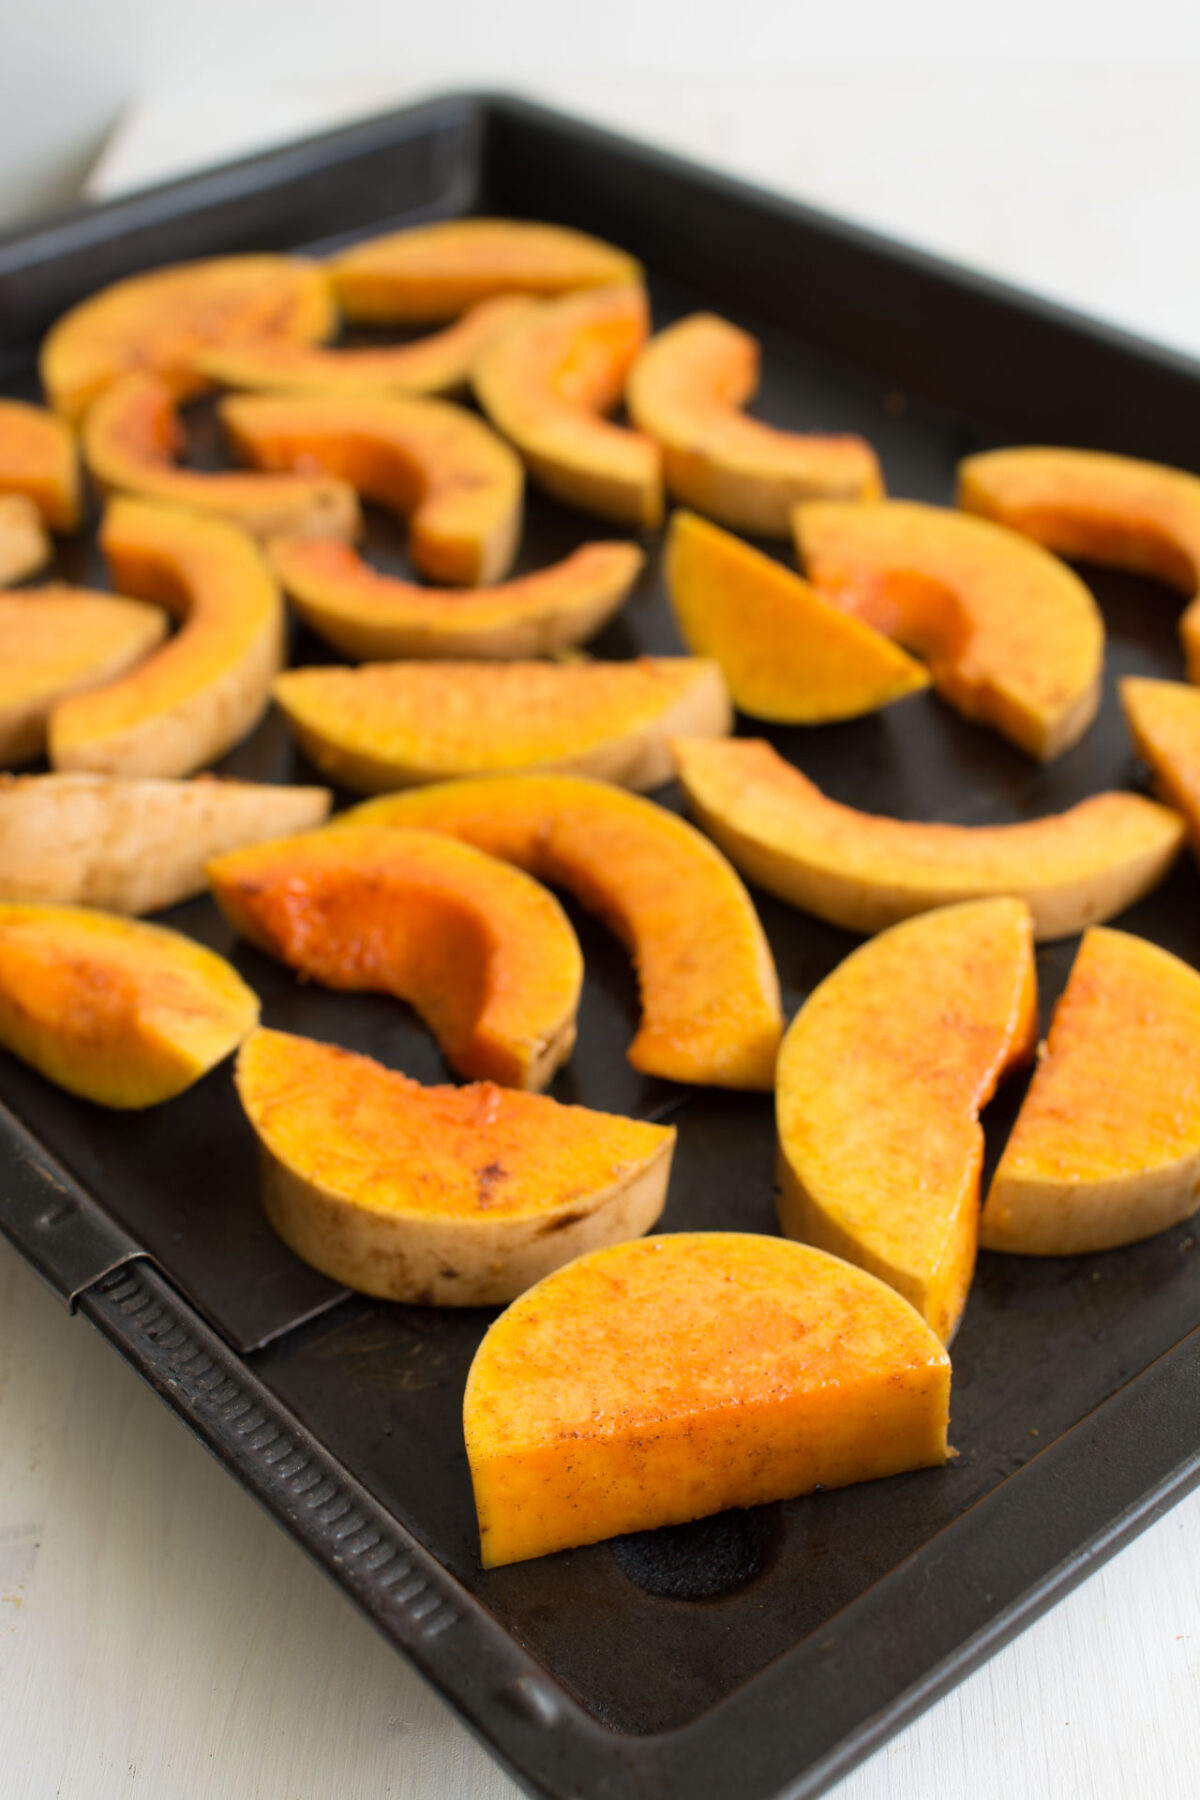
(159, 1636)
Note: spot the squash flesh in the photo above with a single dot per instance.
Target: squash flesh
(38, 459)
(25, 545)
(1164, 722)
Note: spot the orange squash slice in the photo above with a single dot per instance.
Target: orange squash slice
(56, 641)
(391, 725)
(134, 846)
(431, 272)
(123, 1013)
(1106, 1147)
(158, 320)
(132, 438)
(206, 688)
(710, 997)
(442, 1196)
(38, 458)
(882, 1075)
(786, 653)
(546, 384)
(435, 464)
(686, 390)
(1011, 635)
(1118, 510)
(1164, 722)
(865, 872)
(660, 1380)
(438, 364)
(25, 546)
(483, 953)
(370, 617)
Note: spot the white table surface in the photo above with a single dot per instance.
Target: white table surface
(159, 1636)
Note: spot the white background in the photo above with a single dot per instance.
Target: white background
(158, 1635)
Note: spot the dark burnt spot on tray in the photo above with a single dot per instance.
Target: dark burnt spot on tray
(702, 1560)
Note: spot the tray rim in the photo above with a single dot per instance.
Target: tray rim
(97, 1269)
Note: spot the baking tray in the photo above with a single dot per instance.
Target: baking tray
(762, 1653)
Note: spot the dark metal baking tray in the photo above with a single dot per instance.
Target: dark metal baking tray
(765, 1652)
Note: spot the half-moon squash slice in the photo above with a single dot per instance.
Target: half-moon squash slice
(1164, 722)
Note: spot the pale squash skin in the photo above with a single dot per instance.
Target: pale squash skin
(1106, 1147)
(134, 846)
(396, 725)
(865, 872)
(709, 992)
(25, 545)
(665, 1379)
(547, 384)
(882, 1075)
(1117, 510)
(1011, 635)
(480, 950)
(115, 1010)
(133, 438)
(371, 617)
(431, 272)
(686, 390)
(39, 460)
(443, 1196)
(786, 653)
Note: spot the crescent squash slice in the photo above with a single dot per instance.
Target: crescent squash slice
(56, 641)
(158, 320)
(123, 1013)
(664, 1379)
(209, 685)
(391, 725)
(438, 364)
(786, 652)
(39, 459)
(1106, 1147)
(442, 1196)
(687, 389)
(480, 950)
(1011, 635)
(1164, 722)
(133, 846)
(547, 383)
(709, 993)
(25, 545)
(1118, 510)
(369, 616)
(865, 872)
(435, 464)
(133, 438)
(882, 1075)
(437, 271)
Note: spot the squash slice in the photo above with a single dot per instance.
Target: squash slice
(438, 364)
(134, 846)
(25, 545)
(158, 320)
(882, 1075)
(786, 652)
(56, 641)
(686, 390)
(441, 1196)
(391, 725)
(865, 872)
(132, 439)
(123, 1013)
(1164, 722)
(483, 953)
(1135, 515)
(370, 617)
(38, 458)
(431, 272)
(547, 383)
(205, 689)
(709, 993)
(1106, 1147)
(1011, 635)
(437, 465)
(657, 1381)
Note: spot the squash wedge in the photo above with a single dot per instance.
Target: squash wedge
(1164, 722)
(39, 459)
(25, 545)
